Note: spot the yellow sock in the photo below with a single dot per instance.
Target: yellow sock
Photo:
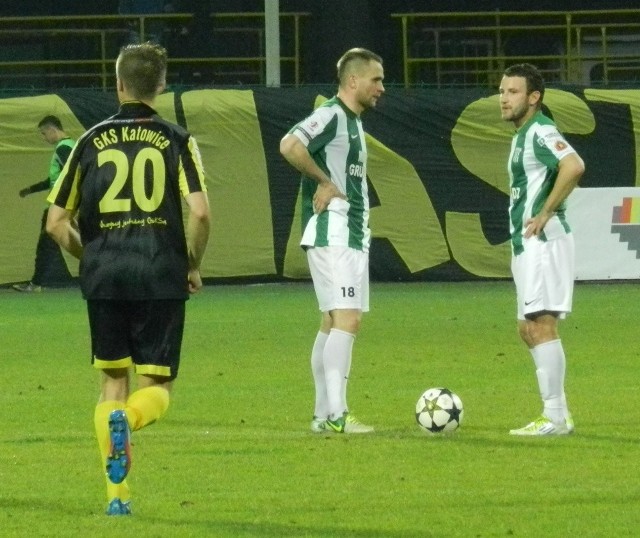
(145, 406)
(101, 423)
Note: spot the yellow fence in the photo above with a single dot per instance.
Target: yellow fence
(440, 49)
(582, 47)
(78, 51)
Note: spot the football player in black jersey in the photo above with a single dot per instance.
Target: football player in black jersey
(123, 184)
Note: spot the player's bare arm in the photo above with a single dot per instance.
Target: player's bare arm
(61, 227)
(297, 155)
(570, 170)
(198, 226)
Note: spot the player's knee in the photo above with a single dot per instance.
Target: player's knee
(347, 320)
(539, 333)
(354, 325)
(326, 322)
(523, 331)
(115, 384)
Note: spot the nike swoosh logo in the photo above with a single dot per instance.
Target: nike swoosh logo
(527, 303)
(354, 136)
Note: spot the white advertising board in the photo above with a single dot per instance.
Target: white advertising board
(606, 226)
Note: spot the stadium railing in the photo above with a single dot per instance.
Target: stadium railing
(591, 47)
(75, 51)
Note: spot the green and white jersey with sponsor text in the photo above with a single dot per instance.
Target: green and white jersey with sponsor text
(335, 140)
(536, 149)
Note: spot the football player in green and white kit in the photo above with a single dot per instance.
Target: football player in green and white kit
(329, 149)
(543, 170)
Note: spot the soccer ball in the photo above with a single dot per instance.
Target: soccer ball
(439, 410)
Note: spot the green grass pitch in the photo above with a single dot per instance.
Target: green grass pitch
(234, 455)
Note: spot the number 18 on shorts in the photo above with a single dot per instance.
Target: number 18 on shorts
(340, 277)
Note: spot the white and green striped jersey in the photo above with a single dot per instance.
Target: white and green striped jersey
(335, 140)
(536, 150)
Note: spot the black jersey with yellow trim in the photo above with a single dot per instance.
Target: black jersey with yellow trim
(126, 178)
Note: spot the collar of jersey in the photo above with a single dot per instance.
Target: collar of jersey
(136, 108)
(346, 109)
(531, 120)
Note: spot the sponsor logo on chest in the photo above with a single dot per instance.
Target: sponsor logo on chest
(517, 154)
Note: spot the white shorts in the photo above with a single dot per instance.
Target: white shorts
(340, 277)
(544, 275)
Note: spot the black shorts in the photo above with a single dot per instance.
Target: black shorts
(143, 334)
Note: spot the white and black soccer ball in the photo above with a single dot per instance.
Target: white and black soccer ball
(438, 410)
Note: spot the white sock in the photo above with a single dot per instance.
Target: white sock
(565, 406)
(345, 380)
(550, 364)
(337, 361)
(321, 409)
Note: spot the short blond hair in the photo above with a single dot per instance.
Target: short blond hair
(142, 69)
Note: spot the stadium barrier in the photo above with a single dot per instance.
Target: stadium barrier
(78, 51)
(589, 47)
